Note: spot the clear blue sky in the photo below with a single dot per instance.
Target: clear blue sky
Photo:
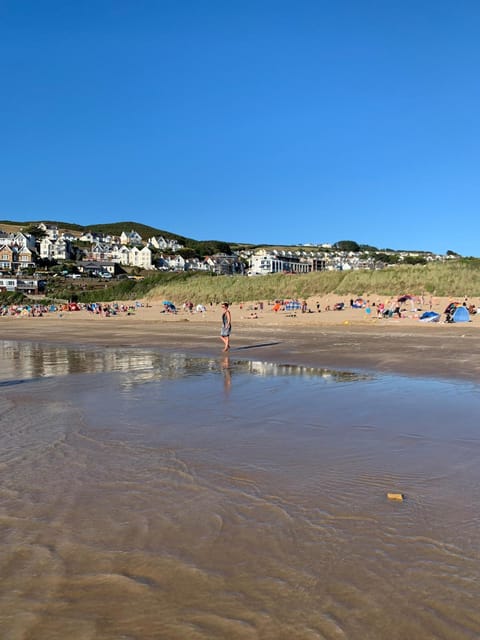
(252, 121)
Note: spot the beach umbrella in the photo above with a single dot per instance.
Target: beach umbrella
(168, 303)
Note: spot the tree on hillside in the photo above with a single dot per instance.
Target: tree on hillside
(387, 258)
(414, 260)
(34, 230)
(46, 263)
(204, 248)
(187, 253)
(347, 245)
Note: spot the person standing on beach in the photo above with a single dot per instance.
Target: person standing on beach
(226, 326)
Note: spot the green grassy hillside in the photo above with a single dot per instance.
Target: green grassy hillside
(11, 225)
(116, 228)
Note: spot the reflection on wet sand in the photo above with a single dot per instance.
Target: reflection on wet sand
(25, 361)
(227, 374)
(169, 497)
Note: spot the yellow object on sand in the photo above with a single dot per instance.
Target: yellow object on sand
(395, 496)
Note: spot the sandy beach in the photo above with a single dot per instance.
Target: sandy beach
(350, 338)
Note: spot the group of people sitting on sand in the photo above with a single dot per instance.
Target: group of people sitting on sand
(95, 308)
(24, 310)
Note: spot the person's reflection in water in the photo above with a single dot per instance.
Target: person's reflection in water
(227, 375)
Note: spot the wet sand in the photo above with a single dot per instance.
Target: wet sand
(154, 487)
(345, 339)
(151, 496)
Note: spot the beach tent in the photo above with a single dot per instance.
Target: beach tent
(461, 315)
(430, 316)
(169, 306)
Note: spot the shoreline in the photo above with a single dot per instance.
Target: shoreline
(345, 339)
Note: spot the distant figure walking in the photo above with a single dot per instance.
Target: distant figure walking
(226, 326)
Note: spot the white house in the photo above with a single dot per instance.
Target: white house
(175, 262)
(50, 230)
(153, 242)
(18, 239)
(7, 283)
(100, 251)
(66, 235)
(264, 262)
(130, 238)
(140, 257)
(88, 236)
(162, 244)
(25, 240)
(195, 264)
(55, 249)
(122, 254)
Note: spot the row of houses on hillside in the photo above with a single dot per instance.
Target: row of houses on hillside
(21, 250)
(126, 238)
(263, 261)
(128, 249)
(17, 239)
(219, 264)
(121, 254)
(52, 232)
(62, 249)
(162, 244)
(131, 238)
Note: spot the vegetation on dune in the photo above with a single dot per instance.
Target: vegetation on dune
(439, 279)
(13, 297)
(455, 278)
